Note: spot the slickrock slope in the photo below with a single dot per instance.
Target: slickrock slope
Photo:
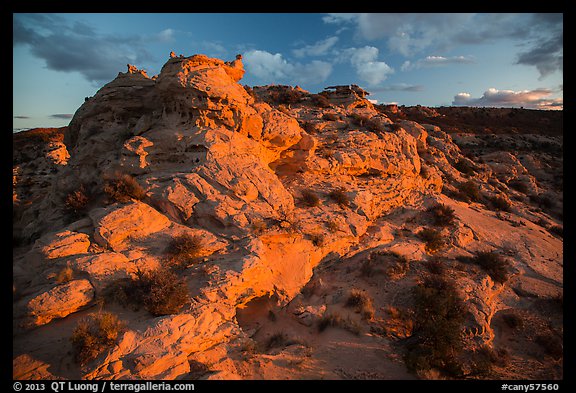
(293, 200)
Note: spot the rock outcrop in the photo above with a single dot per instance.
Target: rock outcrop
(271, 190)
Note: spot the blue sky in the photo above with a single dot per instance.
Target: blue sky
(429, 59)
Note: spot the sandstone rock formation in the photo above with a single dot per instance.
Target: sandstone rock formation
(289, 203)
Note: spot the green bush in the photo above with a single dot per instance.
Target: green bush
(442, 215)
(433, 239)
(93, 335)
(123, 188)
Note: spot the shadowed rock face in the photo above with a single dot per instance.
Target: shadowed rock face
(283, 194)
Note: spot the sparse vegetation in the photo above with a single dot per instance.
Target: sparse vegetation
(309, 198)
(160, 291)
(492, 263)
(433, 238)
(333, 226)
(93, 335)
(339, 196)
(435, 266)
(389, 263)
(468, 192)
(438, 326)
(362, 303)
(183, 249)
(336, 320)
(317, 239)
(123, 188)
(76, 201)
(442, 215)
(499, 203)
(281, 340)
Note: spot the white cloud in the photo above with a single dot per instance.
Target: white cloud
(317, 49)
(529, 99)
(540, 34)
(368, 68)
(166, 35)
(436, 61)
(274, 68)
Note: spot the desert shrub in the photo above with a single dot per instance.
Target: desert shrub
(280, 340)
(435, 266)
(183, 248)
(442, 215)
(339, 196)
(359, 120)
(519, 186)
(492, 263)
(160, 291)
(93, 335)
(499, 203)
(123, 188)
(551, 343)
(361, 302)
(309, 198)
(336, 320)
(464, 167)
(333, 226)
(433, 239)
(317, 239)
(388, 263)
(438, 325)
(483, 359)
(76, 201)
(513, 320)
(468, 192)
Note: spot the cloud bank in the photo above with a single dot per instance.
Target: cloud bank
(529, 99)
